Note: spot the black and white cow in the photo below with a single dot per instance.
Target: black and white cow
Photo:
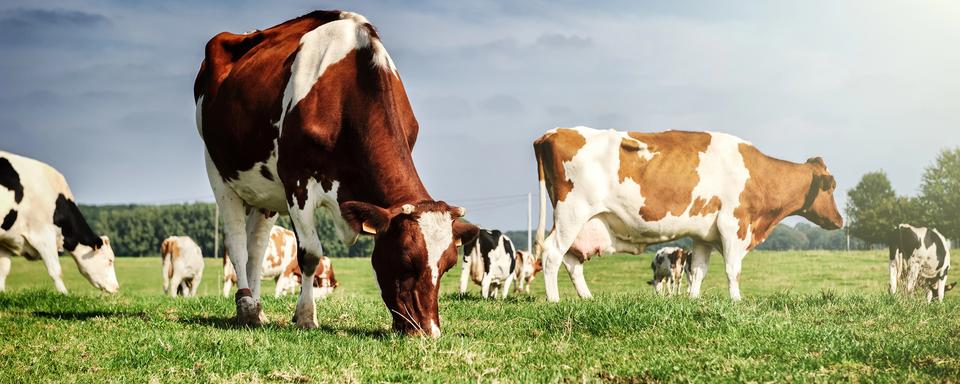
(40, 218)
(489, 261)
(669, 265)
(919, 257)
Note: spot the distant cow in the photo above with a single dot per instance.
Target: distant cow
(311, 114)
(490, 262)
(669, 265)
(38, 218)
(621, 191)
(324, 281)
(919, 257)
(182, 266)
(527, 270)
(280, 252)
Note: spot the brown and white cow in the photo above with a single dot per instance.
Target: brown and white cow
(527, 270)
(324, 281)
(280, 252)
(182, 266)
(312, 114)
(38, 218)
(620, 191)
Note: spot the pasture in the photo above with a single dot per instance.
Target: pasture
(807, 316)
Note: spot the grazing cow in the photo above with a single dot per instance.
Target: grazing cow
(312, 114)
(182, 266)
(490, 262)
(919, 257)
(669, 265)
(527, 269)
(621, 191)
(39, 218)
(324, 281)
(279, 254)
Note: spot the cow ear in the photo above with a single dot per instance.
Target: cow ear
(465, 233)
(950, 286)
(365, 218)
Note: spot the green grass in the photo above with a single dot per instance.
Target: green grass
(807, 316)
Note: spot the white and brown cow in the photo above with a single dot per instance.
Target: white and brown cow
(182, 266)
(39, 218)
(919, 257)
(669, 265)
(490, 262)
(280, 252)
(324, 280)
(620, 191)
(527, 269)
(312, 114)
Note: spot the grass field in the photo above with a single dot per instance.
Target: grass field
(807, 316)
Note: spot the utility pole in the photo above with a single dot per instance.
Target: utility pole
(529, 222)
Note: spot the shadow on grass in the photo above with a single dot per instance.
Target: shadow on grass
(231, 323)
(81, 316)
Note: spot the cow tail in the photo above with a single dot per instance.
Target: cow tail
(542, 223)
(167, 257)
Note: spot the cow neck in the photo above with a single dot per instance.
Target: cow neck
(392, 170)
(786, 186)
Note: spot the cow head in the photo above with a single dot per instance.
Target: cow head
(96, 264)
(819, 205)
(415, 245)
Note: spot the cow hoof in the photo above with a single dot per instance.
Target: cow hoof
(249, 312)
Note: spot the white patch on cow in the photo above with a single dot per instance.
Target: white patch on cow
(200, 115)
(324, 46)
(258, 191)
(437, 231)
(380, 56)
(433, 329)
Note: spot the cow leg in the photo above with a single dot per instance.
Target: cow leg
(174, 287)
(5, 257)
(464, 275)
(227, 284)
(894, 276)
(485, 286)
(941, 287)
(48, 252)
(575, 268)
(258, 226)
(309, 253)
(506, 286)
(657, 287)
(554, 247)
(698, 268)
(195, 284)
(733, 260)
(235, 241)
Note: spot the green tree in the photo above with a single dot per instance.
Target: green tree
(940, 193)
(873, 208)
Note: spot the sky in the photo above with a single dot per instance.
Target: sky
(102, 90)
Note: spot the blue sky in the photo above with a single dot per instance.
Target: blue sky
(102, 90)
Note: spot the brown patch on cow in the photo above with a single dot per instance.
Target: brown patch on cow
(278, 239)
(774, 190)
(667, 180)
(703, 207)
(552, 150)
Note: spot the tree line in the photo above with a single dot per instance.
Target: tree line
(138, 230)
(874, 208)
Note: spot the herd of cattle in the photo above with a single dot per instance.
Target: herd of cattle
(311, 114)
